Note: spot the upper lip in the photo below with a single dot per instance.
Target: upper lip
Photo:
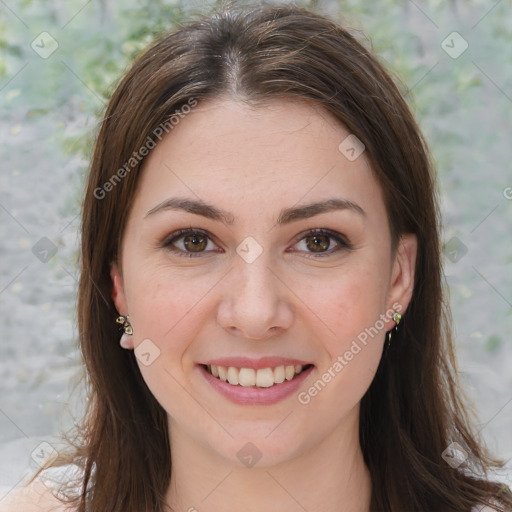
(256, 364)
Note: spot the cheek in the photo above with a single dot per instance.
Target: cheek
(350, 357)
(151, 307)
(350, 306)
(348, 301)
(172, 308)
(170, 311)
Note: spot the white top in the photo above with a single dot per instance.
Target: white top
(39, 496)
(54, 478)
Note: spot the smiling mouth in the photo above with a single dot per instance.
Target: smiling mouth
(250, 377)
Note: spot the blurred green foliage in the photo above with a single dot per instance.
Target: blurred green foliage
(493, 343)
(98, 40)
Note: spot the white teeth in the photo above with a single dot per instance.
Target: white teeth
(233, 375)
(262, 378)
(223, 373)
(247, 377)
(279, 374)
(265, 378)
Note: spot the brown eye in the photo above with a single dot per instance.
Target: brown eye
(318, 243)
(322, 242)
(195, 243)
(189, 242)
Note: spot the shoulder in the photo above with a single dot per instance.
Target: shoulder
(35, 497)
(40, 495)
(486, 508)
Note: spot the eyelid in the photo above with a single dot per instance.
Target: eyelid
(175, 235)
(180, 233)
(341, 240)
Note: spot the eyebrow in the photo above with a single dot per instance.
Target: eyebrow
(286, 216)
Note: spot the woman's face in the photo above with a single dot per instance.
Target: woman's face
(250, 287)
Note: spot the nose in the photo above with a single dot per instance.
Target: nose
(256, 303)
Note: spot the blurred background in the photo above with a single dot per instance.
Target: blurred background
(60, 60)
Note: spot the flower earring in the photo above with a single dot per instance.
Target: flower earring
(396, 318)
(126, 339)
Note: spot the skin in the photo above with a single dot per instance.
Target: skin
(253, 162)
(35, 497)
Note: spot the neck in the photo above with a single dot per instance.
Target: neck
(330, 476)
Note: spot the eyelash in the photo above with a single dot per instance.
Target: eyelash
(341, 240)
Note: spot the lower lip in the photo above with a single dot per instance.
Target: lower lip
(256, 396)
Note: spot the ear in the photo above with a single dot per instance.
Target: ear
(402, 277)
(117, 290)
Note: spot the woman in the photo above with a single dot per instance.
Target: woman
(261, 223)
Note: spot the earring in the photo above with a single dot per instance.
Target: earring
(396, 318)
(126, 340)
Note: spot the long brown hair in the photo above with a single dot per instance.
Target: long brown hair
(413, 409)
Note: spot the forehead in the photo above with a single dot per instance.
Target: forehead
(257, 156)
